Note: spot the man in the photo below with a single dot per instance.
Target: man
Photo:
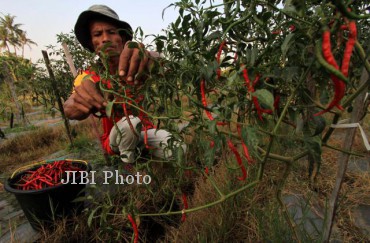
(100, 30)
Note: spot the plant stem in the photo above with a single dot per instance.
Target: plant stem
(275, 156)
(208, 205)
(215, 186)
(281, 203)
(342, 150)
(282, 115)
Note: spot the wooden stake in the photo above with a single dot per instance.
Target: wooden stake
(57, 95)
(69, 59)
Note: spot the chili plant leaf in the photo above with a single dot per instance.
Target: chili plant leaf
(286, 44)
(163, 11)
(213, 36)
(265, 97)
(266, 16)
(299, 124)
(133, 45)
(91, 216)
(180, 156)
(251, 139)
(320, 125)
(289, 7)
(160, 44)
(109, 108)
(254, 54)
(212, 126)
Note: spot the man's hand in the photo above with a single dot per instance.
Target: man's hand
(83, 101)
(133, 62)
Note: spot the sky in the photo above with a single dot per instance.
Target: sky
(44, 19)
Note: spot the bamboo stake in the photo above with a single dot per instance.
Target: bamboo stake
(69, 59)
(56, 92)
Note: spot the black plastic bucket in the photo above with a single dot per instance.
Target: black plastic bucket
(42, 207)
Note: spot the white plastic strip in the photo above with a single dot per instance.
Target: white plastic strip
(341, 124)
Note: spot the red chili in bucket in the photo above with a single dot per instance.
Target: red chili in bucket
(47, 175)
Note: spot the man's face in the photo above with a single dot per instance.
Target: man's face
(105, 37)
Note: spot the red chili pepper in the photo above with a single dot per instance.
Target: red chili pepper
(343, 27)
(349, 47)
(184, 199)
(245, 148)
(146, 138)
(45, 181)
(251, 89)
(204, 100)
(204, 103)
(255, 81)
(339, 85)
(326, 49)
(247, 80)
(339, 92)
(134, 226)
(206, 170)
(30, 182)
(292, 28)
(238, 159)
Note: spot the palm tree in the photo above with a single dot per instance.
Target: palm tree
(12, 35)
(9, 32)
(25, 41)
(4, 38)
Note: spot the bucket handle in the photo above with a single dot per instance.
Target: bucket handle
(46, 162)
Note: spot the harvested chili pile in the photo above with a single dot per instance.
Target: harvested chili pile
(47, 175)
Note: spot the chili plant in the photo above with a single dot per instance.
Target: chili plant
(210, 52)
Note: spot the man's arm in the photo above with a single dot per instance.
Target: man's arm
(83, 101)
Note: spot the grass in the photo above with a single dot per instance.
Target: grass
(251, 216)
(29, 147)
(18, 129)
